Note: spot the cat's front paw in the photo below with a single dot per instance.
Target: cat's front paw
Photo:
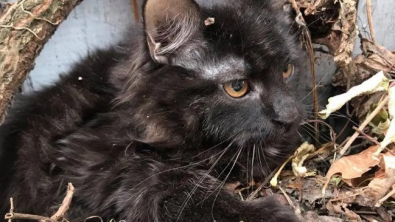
(270, 209)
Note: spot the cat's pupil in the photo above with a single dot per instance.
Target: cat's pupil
(238, 85)
(286, 68)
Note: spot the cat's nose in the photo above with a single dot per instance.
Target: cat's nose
(285, 110)
(287, 115)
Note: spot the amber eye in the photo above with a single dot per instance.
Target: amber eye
(236, 88)
(288, 71)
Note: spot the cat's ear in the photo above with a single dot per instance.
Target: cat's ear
(284, 7)
(280, 4)
(169, 24)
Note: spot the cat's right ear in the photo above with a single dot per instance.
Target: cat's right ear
(285, 8)
(169, 24)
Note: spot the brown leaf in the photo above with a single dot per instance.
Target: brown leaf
(359, 181)
(374, 58)
(353, 166)
(346, 24)
(376, 190)
(381, 184)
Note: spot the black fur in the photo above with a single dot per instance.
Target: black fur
(145, 132)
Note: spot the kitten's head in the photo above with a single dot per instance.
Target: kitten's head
(222, 72)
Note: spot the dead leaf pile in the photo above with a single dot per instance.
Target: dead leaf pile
(353, 179)
(374, 58)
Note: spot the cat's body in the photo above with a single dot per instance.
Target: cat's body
(150, 132)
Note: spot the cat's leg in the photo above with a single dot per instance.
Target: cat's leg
(186, 195)
(136, 187)
(191, 199)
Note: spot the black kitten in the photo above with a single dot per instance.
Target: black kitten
(152, 129)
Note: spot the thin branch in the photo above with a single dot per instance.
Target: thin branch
(363, 125)
(370, 20)
(287, 197)
(366, 135)
(11, 208)
(136, 11)
(65, 204)
(386, 197)
(19, 216)
(309, 46)
(57, 217)
(262, 185)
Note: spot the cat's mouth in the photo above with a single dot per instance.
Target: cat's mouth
(268, 136)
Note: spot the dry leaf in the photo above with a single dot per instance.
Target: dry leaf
(364, 105)
(302, 153)
(390, 135)
(378, 82)
(380, 185)
(353, 166)
(381, 128)
(381, 122)
(373, 194)
(378, 58)
(376, 190)
(374, 58)
(347, 27)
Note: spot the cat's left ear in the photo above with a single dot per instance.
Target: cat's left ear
(169, 24)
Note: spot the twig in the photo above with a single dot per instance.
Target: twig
(57, 217)
(274, 180)
(295, 207)
(260, 187)
(381, 201)
(370, 20)
(65, 204)
(287, 197)
(19, 216)
(365, 212)
(309, 46)
(362, 126)
(136, 11)
(11, 208)
(366, 135)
